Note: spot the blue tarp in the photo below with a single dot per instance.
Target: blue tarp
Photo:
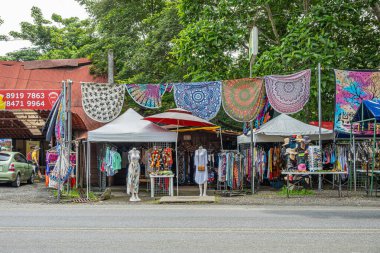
(368, 109)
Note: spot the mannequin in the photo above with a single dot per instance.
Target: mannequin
(133, 174)
(201, 173)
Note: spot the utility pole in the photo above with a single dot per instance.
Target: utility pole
(253, 50)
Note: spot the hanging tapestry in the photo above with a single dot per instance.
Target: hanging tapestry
(147, 95)
(288, 93)
(60, 121)
(352, 87)
(169, 87)
(243, 98)
(202, 99)
(102, 102)
(263, 117)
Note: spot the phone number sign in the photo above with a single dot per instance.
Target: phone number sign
(28, 99)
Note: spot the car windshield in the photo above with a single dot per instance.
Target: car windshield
(4, 157)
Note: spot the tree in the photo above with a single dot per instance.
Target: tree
(338, 34)
(56, 39)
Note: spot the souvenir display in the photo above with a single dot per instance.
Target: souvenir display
(314, 158)
(297, 153)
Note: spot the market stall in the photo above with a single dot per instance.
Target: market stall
(364, 125)
(142, 135)
(268, 155)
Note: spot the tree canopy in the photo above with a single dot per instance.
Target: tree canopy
(159, 41)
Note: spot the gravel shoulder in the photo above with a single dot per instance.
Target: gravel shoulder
(39, 194)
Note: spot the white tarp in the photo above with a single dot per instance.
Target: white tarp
(130, 127)
(283, 126)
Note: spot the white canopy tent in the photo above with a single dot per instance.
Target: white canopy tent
(283, 126)
(128, 127)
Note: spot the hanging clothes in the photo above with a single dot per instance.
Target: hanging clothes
(133, 171)
(200, 159)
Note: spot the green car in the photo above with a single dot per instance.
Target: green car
(14, 168)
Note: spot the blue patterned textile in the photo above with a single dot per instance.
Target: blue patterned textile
(203, 99)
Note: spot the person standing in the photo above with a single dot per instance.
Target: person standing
(35, 159)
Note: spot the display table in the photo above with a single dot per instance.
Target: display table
(153, 184)
(309, 173)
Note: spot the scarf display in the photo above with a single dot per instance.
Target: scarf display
(352, 87)
(243, 99)
(147, 95)
(263, 117)
(288, 93)
(203, 99)
(60, 121)
(102, 102)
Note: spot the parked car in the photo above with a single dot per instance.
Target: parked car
(14, 168)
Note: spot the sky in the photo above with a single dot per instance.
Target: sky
(13, 12)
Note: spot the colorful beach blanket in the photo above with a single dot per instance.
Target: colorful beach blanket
(147, 95)
(352, 87)
(288, 93)
(203, 99)
(102, 102)
(243, 98)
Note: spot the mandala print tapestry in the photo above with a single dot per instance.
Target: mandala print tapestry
(102, 102)
(352, 87)
(147, 95)
(243, 99)
(202, 99)
(289, 93)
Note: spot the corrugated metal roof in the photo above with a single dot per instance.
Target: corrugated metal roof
(49, 75)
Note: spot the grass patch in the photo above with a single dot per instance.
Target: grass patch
(74, 194)
(298, 192)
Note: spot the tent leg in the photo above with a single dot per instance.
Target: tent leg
(88, 168)
(176, 158)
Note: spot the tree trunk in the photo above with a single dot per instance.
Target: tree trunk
(306, 4)
(376, 11)
(269, 11)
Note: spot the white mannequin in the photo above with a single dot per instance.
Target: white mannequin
(133, 174)
(201, 177)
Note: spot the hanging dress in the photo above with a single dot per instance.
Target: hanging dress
(133, 171)
(200, 159)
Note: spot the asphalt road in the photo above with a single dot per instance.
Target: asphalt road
(154, 228)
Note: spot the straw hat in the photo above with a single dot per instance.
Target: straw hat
(299, 138)
(286, 142)
(292, 153)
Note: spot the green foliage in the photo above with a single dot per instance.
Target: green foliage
(337, 34)
(161, 41)
(57, 39)
(24, 54)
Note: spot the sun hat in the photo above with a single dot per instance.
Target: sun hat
(286, 142)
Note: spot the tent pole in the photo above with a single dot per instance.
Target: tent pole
(176, 156)
(319, 121)
(373, 154)
(88, 168)
(252, 164)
